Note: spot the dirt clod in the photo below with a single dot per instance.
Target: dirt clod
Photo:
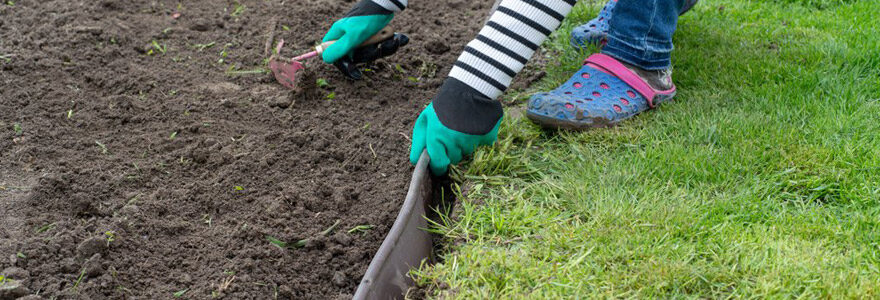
(280, 102)
(93, 267)
(221, 88)
(227, 103)
(342, 239)
(90, 247)
(437, 47)
(12, 289)
(456, 4)
(339, 278)
(16, 273)
(202, 25)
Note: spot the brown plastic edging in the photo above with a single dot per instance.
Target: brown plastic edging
(406, 246)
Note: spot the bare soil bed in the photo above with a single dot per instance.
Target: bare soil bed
(139, 157)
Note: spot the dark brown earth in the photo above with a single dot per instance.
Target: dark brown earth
(130, 173)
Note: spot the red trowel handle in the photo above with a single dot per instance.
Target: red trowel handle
(383, 34)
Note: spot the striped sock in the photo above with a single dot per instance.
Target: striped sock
(507, 42)
(392, 5)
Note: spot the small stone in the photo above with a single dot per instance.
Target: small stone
(339, 279)
(90, 247)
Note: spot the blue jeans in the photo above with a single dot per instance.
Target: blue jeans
(641, 32)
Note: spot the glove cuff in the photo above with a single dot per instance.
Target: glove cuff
(368, 8)
(462, 108)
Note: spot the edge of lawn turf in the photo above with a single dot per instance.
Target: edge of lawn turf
(407, 245)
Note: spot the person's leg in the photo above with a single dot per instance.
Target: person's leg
(595, 32)
(687, 6)
(631, 74)
(641, 32)
(492, 11)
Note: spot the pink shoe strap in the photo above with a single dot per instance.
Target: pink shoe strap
(613, 67)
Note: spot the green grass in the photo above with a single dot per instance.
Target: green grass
(762, 179)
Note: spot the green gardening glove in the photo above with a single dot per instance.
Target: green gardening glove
(362, 22)
(458, 121)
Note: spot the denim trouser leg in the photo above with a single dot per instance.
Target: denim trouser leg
(641, 32)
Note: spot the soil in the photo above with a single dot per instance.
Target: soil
(140, 160)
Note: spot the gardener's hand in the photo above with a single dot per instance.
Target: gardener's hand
(458, 121)
(364, 20)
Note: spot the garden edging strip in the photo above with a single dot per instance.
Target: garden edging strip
(407, 245)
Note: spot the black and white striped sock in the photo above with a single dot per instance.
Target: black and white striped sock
(392, 5)
(505, 44)
(466, 101)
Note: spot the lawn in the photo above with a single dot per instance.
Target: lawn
(762, 179)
